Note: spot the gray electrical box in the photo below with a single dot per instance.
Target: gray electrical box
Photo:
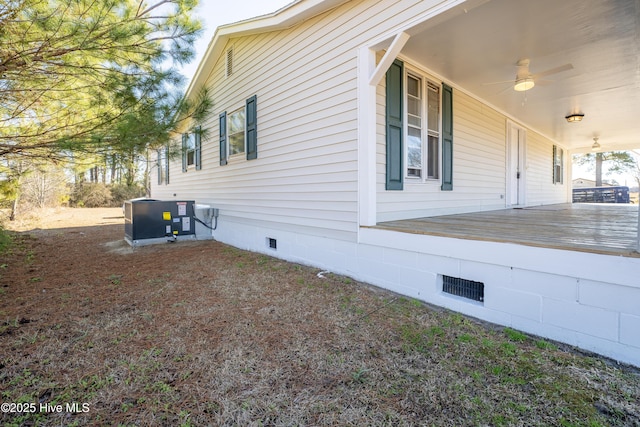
(148, 221)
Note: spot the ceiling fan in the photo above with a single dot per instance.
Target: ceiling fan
(525, 80)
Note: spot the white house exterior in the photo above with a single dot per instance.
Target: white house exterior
(300, 158)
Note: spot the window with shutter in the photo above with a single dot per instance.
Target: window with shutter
(239, 132)
(192, 149)
(419, 112)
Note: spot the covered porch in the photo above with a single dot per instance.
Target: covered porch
(563, 271)
(609, 229)
(578, 60)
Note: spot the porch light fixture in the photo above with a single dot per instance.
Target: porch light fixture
(523, 84)
(574, 118)
(595, 146)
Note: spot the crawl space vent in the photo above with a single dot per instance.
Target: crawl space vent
(273, 244)
(463, 288)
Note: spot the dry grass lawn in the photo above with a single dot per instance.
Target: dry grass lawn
(201, 333)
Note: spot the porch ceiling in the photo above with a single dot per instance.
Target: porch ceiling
(480, 42)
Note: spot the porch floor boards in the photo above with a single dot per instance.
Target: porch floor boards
(599, 228)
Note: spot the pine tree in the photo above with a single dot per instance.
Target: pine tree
(95, 76)
(618, 161)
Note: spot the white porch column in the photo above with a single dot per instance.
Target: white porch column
(638, 238)
(366, 138)
(368, 78)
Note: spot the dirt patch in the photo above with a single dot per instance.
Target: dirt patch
(65, 218)
(200, 333)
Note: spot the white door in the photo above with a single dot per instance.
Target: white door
(516, 160)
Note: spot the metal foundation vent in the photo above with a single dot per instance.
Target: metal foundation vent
(463, 288)
(272, 243)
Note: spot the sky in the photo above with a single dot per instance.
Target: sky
(220, 12)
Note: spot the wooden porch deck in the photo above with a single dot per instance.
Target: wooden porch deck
(599, 228)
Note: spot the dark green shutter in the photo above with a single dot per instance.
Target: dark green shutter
(252, 128)
(554, 178)
(447, 138)
(184, 152)
(159, 167)
(395, 151)
(198, 149)
(223, 139)
(166, 164)
(561, 167)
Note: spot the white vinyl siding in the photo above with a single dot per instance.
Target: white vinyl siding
(540, 186)
(305, 177)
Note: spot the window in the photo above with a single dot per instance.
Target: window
(239, 132)
(163, 166)
(415, 138)
(236, 131)
(558, 164)
(190, 147)
(191, 150)
(423, 128)
(414, 126)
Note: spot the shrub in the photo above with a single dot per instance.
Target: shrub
(122, 192)
(5, 240)
(90, 195)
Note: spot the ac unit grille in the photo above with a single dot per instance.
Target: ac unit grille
(463, 288)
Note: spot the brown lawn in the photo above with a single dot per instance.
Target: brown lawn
(200, 333)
